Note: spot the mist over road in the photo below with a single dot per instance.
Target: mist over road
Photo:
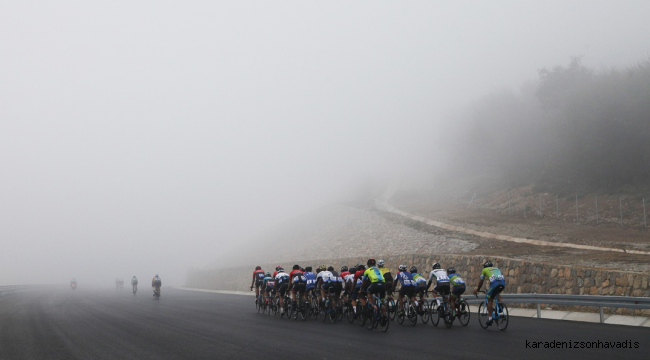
(110, 324)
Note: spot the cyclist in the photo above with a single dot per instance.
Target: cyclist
(297, 284)
(258, 277)
(268, 284)
(388, 277)
(442, 281)
(457, 288)
(344, 273)
(327, 281)
(420, 284)
(311, 280)
(374, 281)
(134, 283)
(497, 284)
(156, 284)
(358, 292)
(276, 271)
(73, 283)
(282, 281)
(404, 278)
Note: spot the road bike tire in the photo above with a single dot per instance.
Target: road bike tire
(391, 308)
(434, 313)
(361, 314)
(384, 321)
(350, 313)
(412, 314)
(275, 305)
(314, 308)
(448, 319)
(465, 313)
(502, 321)
(400, 315)
(304, 310)
(482, 315)
(372, 318)
(425, 311)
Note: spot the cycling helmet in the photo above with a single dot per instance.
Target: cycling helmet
(435, 266)
(323, 267)
(331, 268)
(451, 270)
(280, 269)
(361, 267)
(402, 267)
(487, 264)
(302, 269)
(268, 273)
(277, 268)
(380, 263)
(353, 270)
(296, 267)
(372, 262)
(344, 268)
(308, 268)
(490, 265)
(413, 269)
(258, 268)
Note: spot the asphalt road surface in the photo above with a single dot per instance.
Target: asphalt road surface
(114, 324)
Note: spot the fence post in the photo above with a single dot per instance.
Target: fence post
(645, 224)
(620, 210)
(602, 315)
(596, 209)
(539, 311)
(576, 208)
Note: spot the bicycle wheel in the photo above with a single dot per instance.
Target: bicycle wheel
(502, 316)
(384, 319)
(275, 306)
(449, 319)
(401, 313)
(332, 312)
(424, 316)
(259, 304)
(304, 310)
(314, 307)
(411, 313)
(372, 317)
(482, 315)
(339, 313)
(361, 314)
(350, 313)
(465, 313)
(391, 308)
(434, 313)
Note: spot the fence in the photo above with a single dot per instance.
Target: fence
(620, 211)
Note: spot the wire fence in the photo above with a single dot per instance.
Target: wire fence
(620, 211)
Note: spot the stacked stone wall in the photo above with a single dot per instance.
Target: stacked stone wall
(522, 277)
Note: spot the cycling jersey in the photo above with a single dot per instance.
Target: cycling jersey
(492, 274)
(440, 275)
(258, 275)
(419, 280)
(282, 278)
(373, 275)
(456, 280)
(134, 281)
(388, 276)
(268, 282)
(297, 277)
(311, 280)
(405, 278)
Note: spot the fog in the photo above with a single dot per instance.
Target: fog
(153, 136)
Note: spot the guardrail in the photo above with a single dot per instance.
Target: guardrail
(600, 302)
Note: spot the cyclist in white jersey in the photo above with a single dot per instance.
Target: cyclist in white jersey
(442, 281)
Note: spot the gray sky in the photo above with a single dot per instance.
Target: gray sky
(149, 136)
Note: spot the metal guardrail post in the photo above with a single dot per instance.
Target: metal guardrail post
(602, 315)
(539, 311)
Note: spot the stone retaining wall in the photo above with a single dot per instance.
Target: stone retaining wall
(522, 277)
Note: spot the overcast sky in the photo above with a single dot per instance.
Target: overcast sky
(142, 137)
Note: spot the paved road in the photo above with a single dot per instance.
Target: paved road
(110, 324)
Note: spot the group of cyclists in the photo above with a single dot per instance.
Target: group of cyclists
(156, 283)
(359, 281)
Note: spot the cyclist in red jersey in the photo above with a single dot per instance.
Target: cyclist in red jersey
(276, 271)
(297, 284)
(343, 274)
(258, 278)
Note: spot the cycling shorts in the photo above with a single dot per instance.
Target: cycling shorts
(298, 287)
(355, 293)
(458, 290)
(496, 288)
(377, 288)
(259, 283)
(442, 288)
(407, 290)
(283, 289)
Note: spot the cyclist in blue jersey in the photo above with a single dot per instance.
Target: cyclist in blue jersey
(496, 286)
(457, 287)
(405, 279)
(311, 279)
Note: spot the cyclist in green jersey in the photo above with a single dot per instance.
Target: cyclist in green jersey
(457, 287)
(373, 277)
(496, 286)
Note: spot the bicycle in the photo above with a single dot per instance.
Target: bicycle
(443, 311)
(465, 313)
(392, 307)
(423, 309)
(378, 314)
(329, 308)
(288, 309)
(156, 292)
(408, 312)
(499, 313)
(135, 288)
